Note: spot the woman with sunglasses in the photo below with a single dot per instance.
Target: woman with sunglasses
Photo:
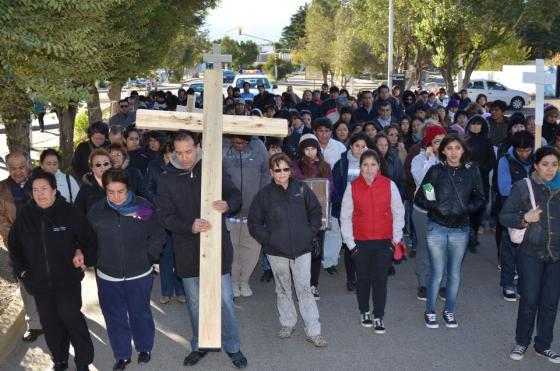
(92, 189)
(284, 217)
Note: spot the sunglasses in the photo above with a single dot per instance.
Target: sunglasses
(286, 170)
(104, 164)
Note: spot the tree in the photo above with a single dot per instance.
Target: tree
(284, 67)
(320, 35)
(293, 35)
(243, 54)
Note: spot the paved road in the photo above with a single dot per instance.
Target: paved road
(482, 341)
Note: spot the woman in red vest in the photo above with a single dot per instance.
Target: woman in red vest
(372, 220)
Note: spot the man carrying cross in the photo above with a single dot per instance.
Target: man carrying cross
(178, 208)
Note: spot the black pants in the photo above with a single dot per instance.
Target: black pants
(316, 262)
(373, 260)
(41, 118)
(349, 264)
(63, 322)
(539, 286)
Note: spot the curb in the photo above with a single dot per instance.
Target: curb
(12, 326)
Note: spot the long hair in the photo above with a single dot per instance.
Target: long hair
(306, 166)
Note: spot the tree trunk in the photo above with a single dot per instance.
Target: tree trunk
(15, 110)
(470, 69)
(325, 71)
(66, 118)
(447, 73)
(114, 91)
(94, 106)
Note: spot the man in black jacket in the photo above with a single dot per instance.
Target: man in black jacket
(178, 209)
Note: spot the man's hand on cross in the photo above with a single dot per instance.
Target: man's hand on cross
(220, 206)
(203, 225)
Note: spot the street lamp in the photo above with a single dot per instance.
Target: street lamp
(240, 28)
(390, 47)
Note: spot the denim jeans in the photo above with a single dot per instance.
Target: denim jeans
(265, 264)
(422, 260)
(171, 285)
(332, 244)
(507, 260)
(441, 241)
(539, 286)
(230, 331)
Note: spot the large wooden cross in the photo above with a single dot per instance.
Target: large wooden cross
(213, 124)
(540, 78)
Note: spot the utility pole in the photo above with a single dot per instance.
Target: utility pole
(273, 50)
(390, 47)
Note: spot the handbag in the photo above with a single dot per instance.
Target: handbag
(516, 235)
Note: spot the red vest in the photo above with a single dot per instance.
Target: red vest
(372, 218)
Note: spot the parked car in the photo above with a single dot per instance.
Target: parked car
(228, 76)
(498, 91)
(197, 86)
(253, 81)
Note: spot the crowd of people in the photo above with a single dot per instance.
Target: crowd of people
(415, 168)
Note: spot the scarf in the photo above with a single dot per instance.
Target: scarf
(553, 184)
(143, 211)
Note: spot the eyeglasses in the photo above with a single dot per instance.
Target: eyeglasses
(104, 164)
(285, 170)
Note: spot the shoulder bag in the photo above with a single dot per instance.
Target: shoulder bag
(516, 235)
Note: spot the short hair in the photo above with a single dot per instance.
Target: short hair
(120, 148)
(273, 142)
(358, 136)
(116, 130)
(345, 109)
(465, 157)
(98, 152)
(321, 121)
(384, 104)
(383, 86)
(334, 89)
(500, 104)
(545, 151)
(98, 127)
(49, 152)
(246, 83)
(124, 100)
(183, 135)
(277, 158)
(115, 175)
(23, 154)
(370, 153)
(522, 139)
(40, 174)
(131, 129)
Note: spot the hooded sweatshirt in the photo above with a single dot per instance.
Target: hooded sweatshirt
(505, 179)
(482, 151)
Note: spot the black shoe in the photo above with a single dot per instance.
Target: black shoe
(365, 319)
(121, 364)
(60, 366)
(392, 271)
(238, 360)
(193, 358)
(378, 326)
(144, 357)
(267, 275)
(350, 286)
(422, 293)
(331, 270)
(32, 335)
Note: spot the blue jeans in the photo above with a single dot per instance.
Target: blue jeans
(265, 264)
(441, 241)
(171, 285)
(230, 332)
(539, 286)
(507, 260)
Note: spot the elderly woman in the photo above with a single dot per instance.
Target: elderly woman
(130, 240)
(92, 190)
(65, 183)
(43, 249)
(284, 217)
(538, 256)
(120, 160)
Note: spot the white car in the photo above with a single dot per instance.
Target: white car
(253, 81)
(494, 90)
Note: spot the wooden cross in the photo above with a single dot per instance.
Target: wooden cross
(540, 78)
(213, 125)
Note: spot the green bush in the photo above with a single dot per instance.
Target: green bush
(80, 127)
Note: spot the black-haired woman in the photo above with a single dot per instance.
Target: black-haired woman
(538, 256)
(130, 240)
(120, 160)
(139, 159)
(65, 183)
(97, 138)
(43, 247)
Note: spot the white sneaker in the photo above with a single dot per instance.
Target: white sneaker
(551, 355)
(518, 352)
(245, 290)
(236, 290)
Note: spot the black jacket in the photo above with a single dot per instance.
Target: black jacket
(393, 169)
(127, 245)
(312, 107)
(360, 114)
(541, 240)
(42, 242)
(178, 205)
(155, 168)
(285, 221)
(90, 192)
(291, 142)
(458, 193)
(139, 159)
(482, 152)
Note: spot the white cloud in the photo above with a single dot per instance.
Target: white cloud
(261, 18)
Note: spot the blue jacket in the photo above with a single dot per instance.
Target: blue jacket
(505, 179)
(155, 167)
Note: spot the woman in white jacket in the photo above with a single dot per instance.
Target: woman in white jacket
(65, 183)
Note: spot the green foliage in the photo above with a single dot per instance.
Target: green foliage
(243, 54)
(510, 51)
(284, 67)
(293, 35)
(80, 127)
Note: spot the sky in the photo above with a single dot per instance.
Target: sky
(261, 18)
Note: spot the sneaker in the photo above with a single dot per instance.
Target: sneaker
(331, 270)
(431, 319)
(422, 293)
(378, 326)
(366, 319)
(121, 364)
(286, 332)
(516, 277)
(60, 366)
(315, 292)
(441, 293)
(181, 299)
(509, 295)
(236, 290)
(499, 267)
(518, 352)
(267, 275)
(194, 357)
(319, 341)
(449, 318)
(245, 289)
(238, 360)
(144, 357)
(549, 354)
